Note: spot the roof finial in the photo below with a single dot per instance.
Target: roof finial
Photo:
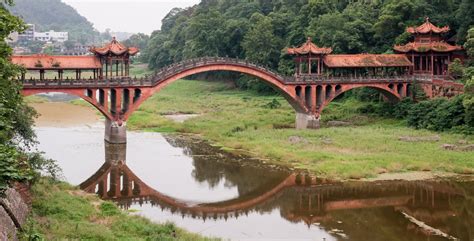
(427, 19)
(114, 39)
(309, 39)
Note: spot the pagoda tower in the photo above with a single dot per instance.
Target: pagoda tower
(429, 52)
(115, 57)
(309, 58)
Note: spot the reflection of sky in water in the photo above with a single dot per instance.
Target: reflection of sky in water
(254, 226)
(80, 152)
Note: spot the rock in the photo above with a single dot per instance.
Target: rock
(297, 140)
(13, 214)
(466, 148)
(338, 123)
(327, 141)
(7, 227)
(420, 138)
(449, 147)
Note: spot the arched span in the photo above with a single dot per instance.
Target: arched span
(219, 64)
(99, 180)
(76, 92)
(390, 93)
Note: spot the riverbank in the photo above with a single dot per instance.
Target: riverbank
(63, 212)
(262, 126)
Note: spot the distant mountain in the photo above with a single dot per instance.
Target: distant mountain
(58, 16)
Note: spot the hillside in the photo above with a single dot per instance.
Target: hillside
(58, 16)
(259, 30)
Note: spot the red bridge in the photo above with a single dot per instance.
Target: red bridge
(319, 78)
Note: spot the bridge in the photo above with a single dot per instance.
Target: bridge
(320, 77)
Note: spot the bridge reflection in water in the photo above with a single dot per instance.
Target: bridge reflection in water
(401, 210)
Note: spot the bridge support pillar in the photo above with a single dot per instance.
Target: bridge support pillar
(306, 121)
(115, 133)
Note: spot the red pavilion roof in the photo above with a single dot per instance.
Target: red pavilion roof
(309, 47)
(427, 27)
(439, 46)
(115, 48)
(42, 61)
(366, 60)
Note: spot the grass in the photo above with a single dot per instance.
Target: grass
(62, 212)
(238, 119)
(35, 99)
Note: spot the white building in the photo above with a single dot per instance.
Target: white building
(51, 36)
(29, 33)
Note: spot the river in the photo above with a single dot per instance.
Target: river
(184, 180)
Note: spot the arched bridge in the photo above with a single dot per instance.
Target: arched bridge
(118, 97)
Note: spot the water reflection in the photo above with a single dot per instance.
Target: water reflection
(386, 210)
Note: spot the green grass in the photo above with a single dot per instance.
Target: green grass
(34, 99)
(139, 70)
(238, 120)
(62, 212)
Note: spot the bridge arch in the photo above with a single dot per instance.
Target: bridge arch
(239, 67)
(392, 92)
(75, 92)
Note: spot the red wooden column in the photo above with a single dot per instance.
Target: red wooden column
(118, 102)
(313, 98)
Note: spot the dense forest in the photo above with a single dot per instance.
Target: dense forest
(259, 30)
(56, 15)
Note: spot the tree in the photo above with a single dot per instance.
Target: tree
(15, 116)
(468, 101)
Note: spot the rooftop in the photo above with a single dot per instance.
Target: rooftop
(309, 47)
(42, 61)
(427, 27)
(439, 46)
(114, 47)
(366, 60)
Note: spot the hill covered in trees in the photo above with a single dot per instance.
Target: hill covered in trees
(56, 15)
(259, 30)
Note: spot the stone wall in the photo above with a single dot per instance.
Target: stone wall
(13, 212)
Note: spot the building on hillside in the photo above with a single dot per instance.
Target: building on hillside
(28, 34)
(429, 52)
(78, 49)
(51, 36)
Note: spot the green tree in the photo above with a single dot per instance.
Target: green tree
(15, 116)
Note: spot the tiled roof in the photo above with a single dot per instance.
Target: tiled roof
(439, 46)
(309, 47)
(42, 61)
(427, 27)
(115, 48)
(366, 60)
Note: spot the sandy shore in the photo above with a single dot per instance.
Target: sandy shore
(60, 114)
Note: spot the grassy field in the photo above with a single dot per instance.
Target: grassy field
(62, 212)
(242, 120)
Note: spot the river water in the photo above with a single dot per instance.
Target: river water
(184, 180)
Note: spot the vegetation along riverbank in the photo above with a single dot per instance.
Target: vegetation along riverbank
(356, 145)
(63, 212)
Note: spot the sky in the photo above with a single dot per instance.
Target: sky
(134, 16)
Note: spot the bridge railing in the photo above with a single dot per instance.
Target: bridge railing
(68, 83)
(175, 68)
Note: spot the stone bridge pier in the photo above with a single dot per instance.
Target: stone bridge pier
(115, 132)
(307, 121)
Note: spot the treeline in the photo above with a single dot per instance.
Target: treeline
(56, 15)
(17, 161)
(258, 30)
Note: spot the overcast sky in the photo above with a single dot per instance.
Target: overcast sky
(135, 16)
